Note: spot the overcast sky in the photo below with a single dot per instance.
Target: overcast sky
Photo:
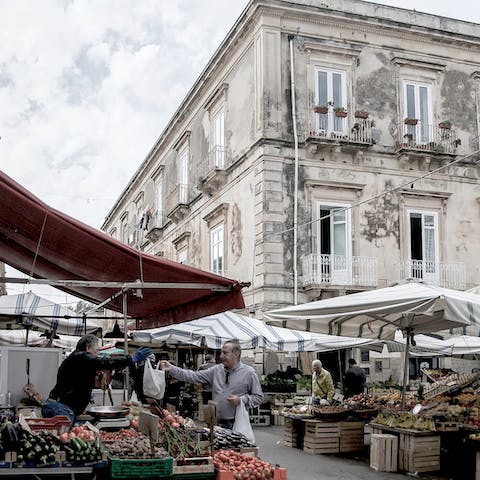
(86, 87)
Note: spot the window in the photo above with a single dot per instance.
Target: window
(125, 229)
(332, 91)
(183, 176)
(334, 241)
(418, 105)
(218, 138)
(182, 256)
(423, 245)
(216, 250)
(364, 355)
(158, 216)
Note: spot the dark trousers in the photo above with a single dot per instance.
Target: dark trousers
(206, 396)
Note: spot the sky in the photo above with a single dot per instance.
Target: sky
(87, 86)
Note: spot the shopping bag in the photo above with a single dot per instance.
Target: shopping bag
(242, 423)
(153, 382)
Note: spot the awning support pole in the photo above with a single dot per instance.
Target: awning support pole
(125, 345)
(409, 333)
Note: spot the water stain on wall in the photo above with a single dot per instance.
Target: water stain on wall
(381, 219)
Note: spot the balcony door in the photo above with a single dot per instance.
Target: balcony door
(334, 242)
(183, 177)
(418, 104)
(218, 138)
(331, 91)
(423, 246)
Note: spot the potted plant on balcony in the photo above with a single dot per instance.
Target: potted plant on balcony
(361, 114)
(408, 139)
(323, 109)
(446, 125)
(410, 121)
(340, 112)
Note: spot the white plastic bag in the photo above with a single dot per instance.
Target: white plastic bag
(242, 423)
(153, 381)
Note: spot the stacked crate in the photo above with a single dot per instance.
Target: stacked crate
(351, 436)
(321, 437)
(383, 452)
(291, 433)
(419, 453)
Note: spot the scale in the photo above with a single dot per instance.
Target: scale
(112, 423)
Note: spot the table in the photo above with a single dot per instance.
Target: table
(39, 473)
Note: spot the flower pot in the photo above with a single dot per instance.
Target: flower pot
(341, 114)
(361, 114)
(320, 109)
(410, 121)
(445, 125)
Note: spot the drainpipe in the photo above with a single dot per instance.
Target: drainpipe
(295, 189)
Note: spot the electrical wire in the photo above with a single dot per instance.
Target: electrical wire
(376, 197)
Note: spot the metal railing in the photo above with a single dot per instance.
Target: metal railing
(430, 138)
(178, 196)
(441, 274)
(328, 126)
(339, 270)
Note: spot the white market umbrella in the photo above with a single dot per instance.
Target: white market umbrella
(411, 307)
(29, 309)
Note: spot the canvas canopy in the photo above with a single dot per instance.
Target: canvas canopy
(36, 339)
(29, 309)
(425, 345)
(417, 307)
(251, 333)
(47, 244)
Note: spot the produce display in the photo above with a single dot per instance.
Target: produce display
(228, 440)
(407, 421)
(244, 467)
(363, 401)
(129, 443)
(37, 449)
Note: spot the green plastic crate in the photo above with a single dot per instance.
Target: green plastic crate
(141, 468)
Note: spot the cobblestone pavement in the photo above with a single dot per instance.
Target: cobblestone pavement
(304, 466)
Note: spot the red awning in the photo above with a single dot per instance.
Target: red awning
(48, 244)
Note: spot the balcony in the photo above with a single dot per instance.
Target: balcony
(155, 226)
(177, 203)
(215, 169)
(423, 139)
(328, 129)
(321, 270)
(440, 274)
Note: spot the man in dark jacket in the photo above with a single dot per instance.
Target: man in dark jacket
(76, 377)
(355, 379)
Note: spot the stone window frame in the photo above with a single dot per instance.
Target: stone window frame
(418, 71)
(181, 244)
(332, 57)
(422, 201)
(333, 192)
(217, 216)
(217, 101)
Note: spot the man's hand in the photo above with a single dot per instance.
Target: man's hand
(164, 365)
(234, 400)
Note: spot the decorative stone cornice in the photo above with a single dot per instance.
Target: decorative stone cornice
(418, 63)
(220, 210)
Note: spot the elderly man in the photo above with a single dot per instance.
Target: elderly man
(322, 384)
(232, 382)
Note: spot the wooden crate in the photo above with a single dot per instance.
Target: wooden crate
(419, 453)
(318, 428)
(193, 465)
(383, 452)
(351, 436)
(321, 445)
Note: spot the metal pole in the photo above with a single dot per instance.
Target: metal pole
(125, 345)
(406, 367)
(295, 189)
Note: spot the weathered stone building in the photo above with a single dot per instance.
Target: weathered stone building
(387, 105)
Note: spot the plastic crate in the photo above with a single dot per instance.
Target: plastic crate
(141, 468)
(57, 424)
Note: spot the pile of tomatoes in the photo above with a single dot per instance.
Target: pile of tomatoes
(82, 432)
(244, 467)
